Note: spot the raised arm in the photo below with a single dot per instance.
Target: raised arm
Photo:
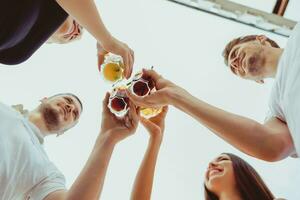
(270, 142)
(144, 179)
(86, 14)
(89, 183)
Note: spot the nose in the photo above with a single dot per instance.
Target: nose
(235, 62)
(212, 165)
(69, 107)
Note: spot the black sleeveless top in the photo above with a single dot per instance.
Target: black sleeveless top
(25, 25)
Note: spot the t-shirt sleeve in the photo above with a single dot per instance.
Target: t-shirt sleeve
(269, 115)
(52, 183)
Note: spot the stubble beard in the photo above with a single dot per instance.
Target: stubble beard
(51, 118)
(256, 64)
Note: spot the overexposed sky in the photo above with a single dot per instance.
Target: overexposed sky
(185, 46)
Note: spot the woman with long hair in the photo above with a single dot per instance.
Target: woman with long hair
(228, 177)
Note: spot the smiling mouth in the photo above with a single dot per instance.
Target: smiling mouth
(212, 172)
(75, 29)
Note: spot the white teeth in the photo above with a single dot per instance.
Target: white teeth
(214, 171)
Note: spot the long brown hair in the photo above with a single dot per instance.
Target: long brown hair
(249, 184)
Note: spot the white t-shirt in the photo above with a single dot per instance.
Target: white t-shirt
(25, 170)
(285, 96)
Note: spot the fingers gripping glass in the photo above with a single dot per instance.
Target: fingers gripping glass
(141, 85)
(118, 102)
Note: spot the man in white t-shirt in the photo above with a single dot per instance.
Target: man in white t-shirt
(266, 60)
(25, 170)
(253, 57)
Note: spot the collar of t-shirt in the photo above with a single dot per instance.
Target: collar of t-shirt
(34, 128)
(36, 131)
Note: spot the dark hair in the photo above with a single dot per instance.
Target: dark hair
(241, 40)
(69, 94)
(249, 184)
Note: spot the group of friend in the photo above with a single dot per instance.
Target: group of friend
(27, 173)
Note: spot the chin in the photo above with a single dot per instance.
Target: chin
(214, 186)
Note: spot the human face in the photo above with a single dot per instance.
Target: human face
(220, 175)
(69, 31)
(247, 60)
(60, 112)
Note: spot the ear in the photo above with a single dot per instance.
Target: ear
(262, 39)
(260, 81)
(59, 133)
(43, 99)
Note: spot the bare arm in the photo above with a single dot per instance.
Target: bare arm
(89, 183)
(87, 15)
(142, 188)
(270, 142)
(143, 183)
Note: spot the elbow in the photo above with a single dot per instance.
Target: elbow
(277, 151)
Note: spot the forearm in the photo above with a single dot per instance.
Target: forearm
(86, 13)
(89, 183)
(245, 134)
(144, 180)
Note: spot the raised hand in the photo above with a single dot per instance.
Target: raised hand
(116, 128)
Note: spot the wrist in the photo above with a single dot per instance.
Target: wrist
(105, 138)
(155, 139)
(175, 95)
(107, 40)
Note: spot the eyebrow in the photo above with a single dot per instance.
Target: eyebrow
(233, 51)
(221, 157)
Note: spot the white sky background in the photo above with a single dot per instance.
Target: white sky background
(185, 46)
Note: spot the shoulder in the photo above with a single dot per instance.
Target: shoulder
(8, 111)
(51, 186)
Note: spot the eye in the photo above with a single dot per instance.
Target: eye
(222, 159)
(68, 100)
(75, 113)
(234, 53)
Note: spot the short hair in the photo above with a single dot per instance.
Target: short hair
(69, 94)
(249, 183)
(241, 40)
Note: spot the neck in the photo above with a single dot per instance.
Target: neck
(37, 119)
(227, 195)
(272, 59)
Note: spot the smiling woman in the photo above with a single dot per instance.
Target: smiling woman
(229, 176)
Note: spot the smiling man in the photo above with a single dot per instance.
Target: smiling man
(68, 32)
(254, 58)
(25, 169)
